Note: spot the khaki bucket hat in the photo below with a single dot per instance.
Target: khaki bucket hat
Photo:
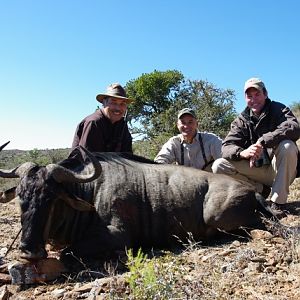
(114, 90)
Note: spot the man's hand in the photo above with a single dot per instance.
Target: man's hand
(252, 153)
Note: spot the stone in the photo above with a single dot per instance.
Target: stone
(4, 268)
(255, 267)
(235, 244)
(4, 293)
(84, 288)
(35, 272)
(258, 234)
(5, 278)
(3, 251)
(57, 293)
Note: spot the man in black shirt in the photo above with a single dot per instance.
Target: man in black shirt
(106, 130)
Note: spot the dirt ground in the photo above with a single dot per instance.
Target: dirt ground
(265, 266)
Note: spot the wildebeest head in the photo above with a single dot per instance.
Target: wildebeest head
(38, 189)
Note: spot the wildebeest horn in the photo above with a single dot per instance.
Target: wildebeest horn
(1, 147)
(18, 171)
(62, 174)
(8, 195)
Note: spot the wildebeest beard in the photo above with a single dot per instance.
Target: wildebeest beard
(45, 217)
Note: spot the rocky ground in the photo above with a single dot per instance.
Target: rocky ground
(264, 265)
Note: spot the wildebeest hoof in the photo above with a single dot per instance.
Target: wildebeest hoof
(28, 255)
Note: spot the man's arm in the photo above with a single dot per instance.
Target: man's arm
(286, 126)
(167, 154)
(236, 141)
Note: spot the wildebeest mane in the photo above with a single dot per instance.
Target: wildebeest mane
(119, 156)
(123, 158)
(77, 160)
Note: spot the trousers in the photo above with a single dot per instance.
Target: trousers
(278, 175)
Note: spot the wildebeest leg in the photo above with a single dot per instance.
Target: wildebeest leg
(264, 208)
(102, 243)
(233, 212)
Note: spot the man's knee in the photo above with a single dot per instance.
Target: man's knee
(218, 166)
(287, 147)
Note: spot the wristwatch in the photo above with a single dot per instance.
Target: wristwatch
(261, 141)
(238, 154)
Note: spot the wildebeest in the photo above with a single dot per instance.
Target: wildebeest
(116, 201)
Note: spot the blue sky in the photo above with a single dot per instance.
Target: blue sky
(55, 56)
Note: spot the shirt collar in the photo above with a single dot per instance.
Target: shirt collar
(196, 138)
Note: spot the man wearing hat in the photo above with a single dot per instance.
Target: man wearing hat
(261, 145)
(191, 147)
(106, 130)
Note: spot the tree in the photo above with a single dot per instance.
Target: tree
(295, 107)
(153, 94)
(213, 106)
(160, 95)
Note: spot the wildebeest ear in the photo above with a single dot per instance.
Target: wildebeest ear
(76, 202)
(8, 195)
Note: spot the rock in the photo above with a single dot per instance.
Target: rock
(207, 257)
(224, 268)
(4, 268)
(4, 293)
(84, 288)
(227, 252)
(72, 295)
(257, 234)
(258, 259)
(35, 272)
(278, 240)
(39, 291)
(235, 244)
(57, 293)
(3, 251)
(270, 269)
(254, 267)
(100, 283)
(288, 258)
(5, 278)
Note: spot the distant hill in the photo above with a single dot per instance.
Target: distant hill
(12, 158)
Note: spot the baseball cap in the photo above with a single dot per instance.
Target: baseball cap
(255, 83)
(185, 111)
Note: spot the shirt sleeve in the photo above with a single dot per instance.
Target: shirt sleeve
(236, 140)
(92, 137)
(216, 147)
(167, 154)
(285, 126)
(77, 135)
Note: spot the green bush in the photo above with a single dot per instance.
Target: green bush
(153, 278)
